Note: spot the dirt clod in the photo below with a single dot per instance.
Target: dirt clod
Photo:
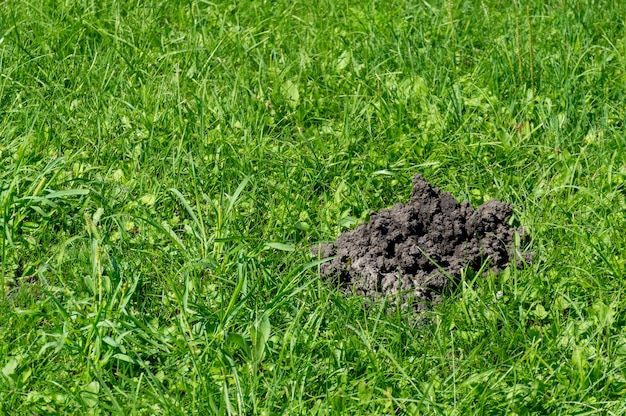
(414, 251)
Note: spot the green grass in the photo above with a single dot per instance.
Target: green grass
(165, 167)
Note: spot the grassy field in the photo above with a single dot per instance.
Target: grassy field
(167, 165)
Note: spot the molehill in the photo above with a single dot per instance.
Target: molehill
(412, 252)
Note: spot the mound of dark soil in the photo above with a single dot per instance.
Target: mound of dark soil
(418, 249)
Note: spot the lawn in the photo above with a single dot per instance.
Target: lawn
(166, 166)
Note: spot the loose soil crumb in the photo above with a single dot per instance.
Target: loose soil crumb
(416, 250)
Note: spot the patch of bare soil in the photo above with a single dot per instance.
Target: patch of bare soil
(414, 251)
